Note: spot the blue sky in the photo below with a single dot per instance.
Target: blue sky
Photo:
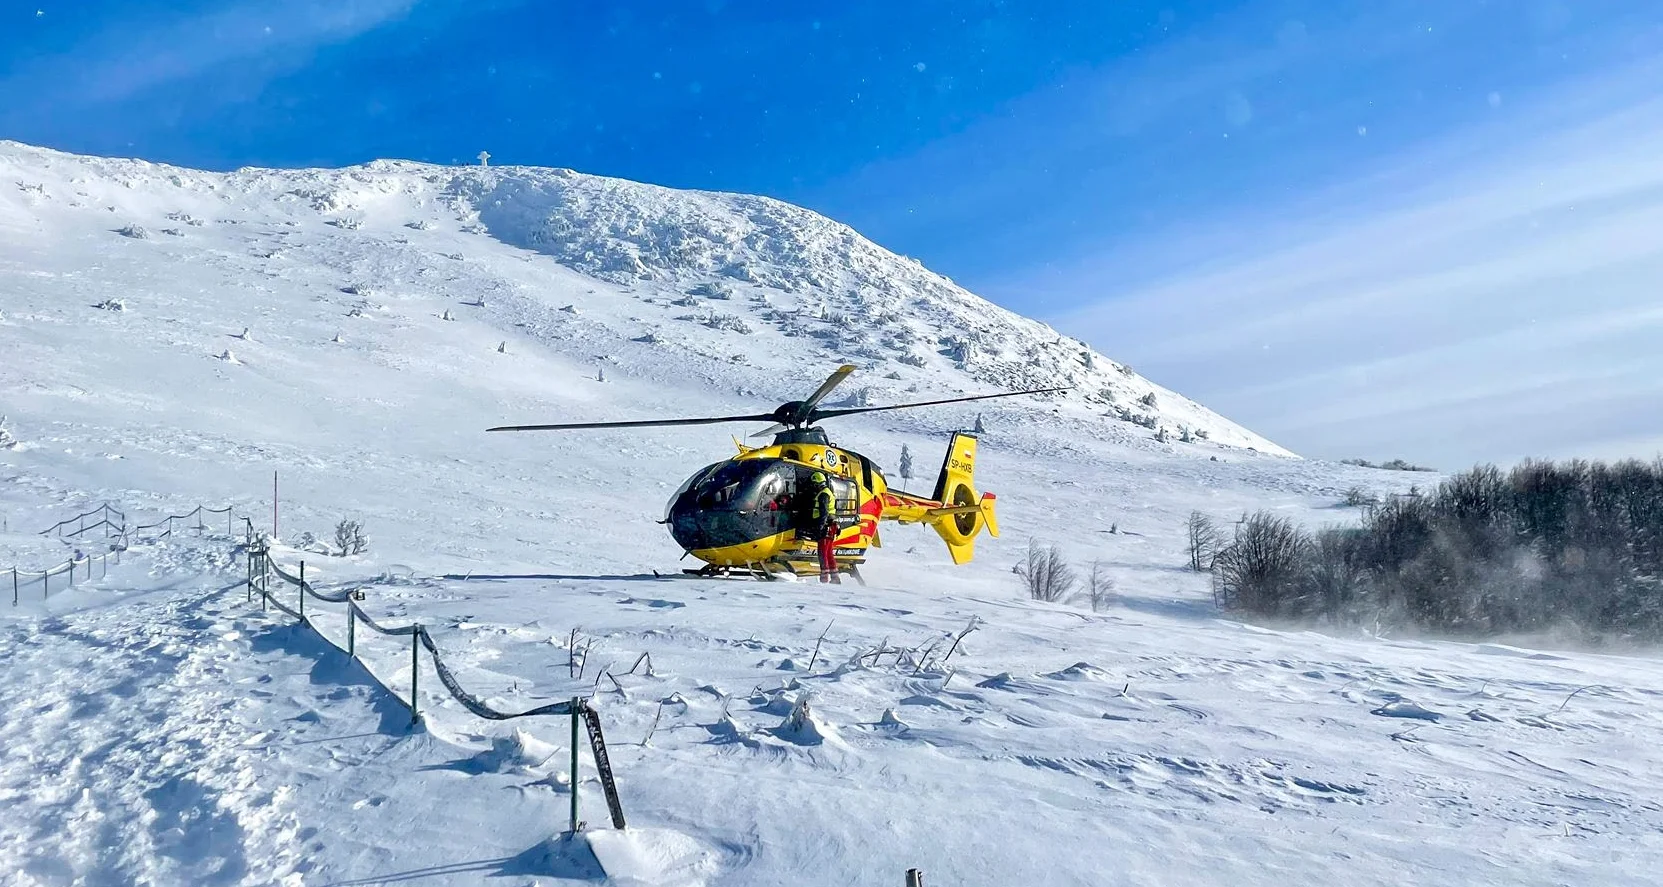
(1315, 217)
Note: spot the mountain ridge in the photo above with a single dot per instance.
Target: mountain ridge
(743, 264)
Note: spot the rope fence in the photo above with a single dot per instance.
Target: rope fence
(114, 524)
(104, 512)
(106, 517)
(262, 567)
(200, 527)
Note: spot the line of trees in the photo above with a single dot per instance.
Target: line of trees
(1543, 546)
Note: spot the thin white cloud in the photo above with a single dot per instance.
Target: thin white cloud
(124, 61)
(1494, 297)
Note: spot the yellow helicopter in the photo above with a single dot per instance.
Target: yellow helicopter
(748, 514)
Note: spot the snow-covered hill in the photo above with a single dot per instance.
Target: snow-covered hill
(169, 337)
(729, 278)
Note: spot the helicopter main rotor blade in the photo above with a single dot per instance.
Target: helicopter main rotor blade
(827, 414)
(832, 381)
(770, 431)
(644, 423)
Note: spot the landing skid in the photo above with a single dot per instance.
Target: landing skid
(749, 571)
(766, 572)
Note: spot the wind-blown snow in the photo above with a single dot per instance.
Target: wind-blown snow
(156, 727)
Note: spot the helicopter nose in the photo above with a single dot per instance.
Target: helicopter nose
(697, 529)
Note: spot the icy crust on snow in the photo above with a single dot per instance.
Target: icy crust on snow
(728, 262)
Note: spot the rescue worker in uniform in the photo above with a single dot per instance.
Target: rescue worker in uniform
(821, 524)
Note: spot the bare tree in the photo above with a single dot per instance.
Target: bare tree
(1262, 570)
(1099, 586)
(1204, 541)
(1046, 573)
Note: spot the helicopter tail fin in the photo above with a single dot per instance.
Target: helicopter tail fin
(963, 513)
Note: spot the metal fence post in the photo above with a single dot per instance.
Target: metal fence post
(576, 703)
(14, 586)
(351, 631)
(303, 590)
(915, 878)
(415, 673)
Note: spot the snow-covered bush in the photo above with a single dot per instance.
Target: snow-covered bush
(350, 538)
(136, 232)
(7, 439)
(713, 290)
(731, 322)
(1148, 400)
(112, 305)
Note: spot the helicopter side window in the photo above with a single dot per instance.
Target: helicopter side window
(847, 495)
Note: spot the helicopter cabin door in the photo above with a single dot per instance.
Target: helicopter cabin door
(845, 495)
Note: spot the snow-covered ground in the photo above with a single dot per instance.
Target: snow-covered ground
(156, 728)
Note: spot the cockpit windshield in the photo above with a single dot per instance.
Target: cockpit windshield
(687, 484)
(742, 485)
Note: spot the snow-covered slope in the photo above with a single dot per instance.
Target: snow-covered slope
(726, 277)
(169, 337)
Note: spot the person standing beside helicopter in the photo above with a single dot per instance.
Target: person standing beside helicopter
(821, 524)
